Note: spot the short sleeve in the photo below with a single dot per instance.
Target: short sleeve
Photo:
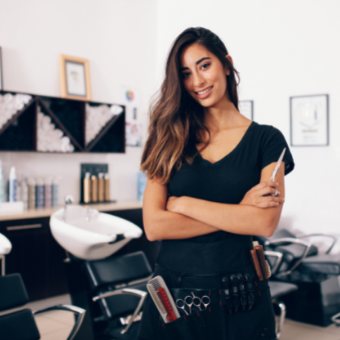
(272, 146)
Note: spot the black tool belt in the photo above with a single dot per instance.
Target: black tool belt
(204, 312)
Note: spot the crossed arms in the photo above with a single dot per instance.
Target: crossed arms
(186, 217)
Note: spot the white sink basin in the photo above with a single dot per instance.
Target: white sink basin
(5, 245)
(89, 234)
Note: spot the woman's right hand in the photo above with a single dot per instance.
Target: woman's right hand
(260, 196)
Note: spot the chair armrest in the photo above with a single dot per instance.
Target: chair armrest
(285, 240)
(126, 291)
(334, 238)
(279, 257)
(80, 312)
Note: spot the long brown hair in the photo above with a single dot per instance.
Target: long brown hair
(175, 117)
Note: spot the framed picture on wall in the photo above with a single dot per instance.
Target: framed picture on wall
(1, 82)
(75, 78)
(246, 107)
(309, 120)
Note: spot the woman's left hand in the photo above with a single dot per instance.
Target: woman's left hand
(174, 204)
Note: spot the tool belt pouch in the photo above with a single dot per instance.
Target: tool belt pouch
(208, 323)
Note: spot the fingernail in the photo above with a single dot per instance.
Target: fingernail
(277, 183)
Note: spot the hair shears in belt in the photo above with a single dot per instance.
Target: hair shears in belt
(193, 301)
(277, 166)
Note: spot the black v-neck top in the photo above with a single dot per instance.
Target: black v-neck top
(230, 178)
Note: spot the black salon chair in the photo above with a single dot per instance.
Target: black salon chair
(20, 325)
(292, 252)
(118, 285)
(298, 261)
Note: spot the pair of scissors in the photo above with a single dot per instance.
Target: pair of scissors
(193, 301)
(272, 178)
(200, 301)
(188, 301)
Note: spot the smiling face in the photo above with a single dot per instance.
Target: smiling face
(203, 75)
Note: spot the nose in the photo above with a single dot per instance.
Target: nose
(198, 80)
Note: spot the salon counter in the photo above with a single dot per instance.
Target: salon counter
(47, 212)
(40, 259)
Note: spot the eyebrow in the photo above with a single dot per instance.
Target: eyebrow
(197, 62)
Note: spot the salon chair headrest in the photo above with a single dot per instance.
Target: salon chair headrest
(328, 264)
(291, 251)
(282, 233)
(118, 269)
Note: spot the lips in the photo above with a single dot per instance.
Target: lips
(204, 93)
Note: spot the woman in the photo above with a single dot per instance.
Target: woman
(208, 188)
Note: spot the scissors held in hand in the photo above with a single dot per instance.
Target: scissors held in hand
(272, 178)
(188, 301)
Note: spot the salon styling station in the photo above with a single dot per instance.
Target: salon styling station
(40, 259)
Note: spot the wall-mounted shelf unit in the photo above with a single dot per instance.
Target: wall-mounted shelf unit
(32, 126)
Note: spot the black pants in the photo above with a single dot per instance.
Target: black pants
(258, 323)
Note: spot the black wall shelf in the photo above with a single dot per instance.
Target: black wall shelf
(68, 115)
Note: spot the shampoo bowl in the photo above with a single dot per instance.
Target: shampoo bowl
(5, 245)
(90, 235)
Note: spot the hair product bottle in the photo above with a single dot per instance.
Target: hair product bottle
(48, 192)
(87, 188)
(40, 193)
(19, 189)
(24, 192)
(55, 193)
(31, 193)
(12, 185)
(94, 188)
(101, 187)
(107, 187)
(2, 185)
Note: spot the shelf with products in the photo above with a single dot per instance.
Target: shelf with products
(56, 125)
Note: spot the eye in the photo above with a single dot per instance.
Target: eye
(185, 75)
(204, 66)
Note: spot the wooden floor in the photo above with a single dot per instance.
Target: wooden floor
(57, 325)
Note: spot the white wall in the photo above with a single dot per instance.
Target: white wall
(281, 49)
(118, 38)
